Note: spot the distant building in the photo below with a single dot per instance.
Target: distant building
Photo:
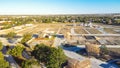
(90, 24)
(48, 35)
(72, 63)
(82, 24)
(5, 21)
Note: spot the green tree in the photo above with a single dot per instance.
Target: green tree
(51, 57)
(26, 37)
(56, 58)
(1, 55)
(11, 35)
(43, 50)
(29, 63)
(1, 45)
(16, 51)
(3, 63)
(104, 49)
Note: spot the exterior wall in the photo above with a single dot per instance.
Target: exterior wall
(93, 49)
(79, 64)
(83, 64)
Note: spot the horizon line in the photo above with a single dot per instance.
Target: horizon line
(58, 14)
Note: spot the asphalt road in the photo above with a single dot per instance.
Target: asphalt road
(95, 63)
(12, 62)
(108, 46)
(10, 59)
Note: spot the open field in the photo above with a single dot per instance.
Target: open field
(80, 31)
(65, 29)
(35, 28)
(41, 27)
(110, 30)
(93, 31)
(111, 40)
(117, 50)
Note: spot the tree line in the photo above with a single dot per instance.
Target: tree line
(15, 21)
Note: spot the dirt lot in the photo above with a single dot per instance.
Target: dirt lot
(80, 31)
(41, 27)
(110, 30)
(114, 53)
(111, 40)
(93, 31)
(35, 28)
(65, 29)
(117, 50)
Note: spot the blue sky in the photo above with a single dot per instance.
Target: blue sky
(59, 6)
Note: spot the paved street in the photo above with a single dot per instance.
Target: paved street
(97, 34)
(9, 58)
(94, 62)
(12, 62)
(108, 46)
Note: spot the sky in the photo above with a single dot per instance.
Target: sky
(46, 7)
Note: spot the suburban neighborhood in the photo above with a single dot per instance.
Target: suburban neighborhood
(59, 33)
(84, 44)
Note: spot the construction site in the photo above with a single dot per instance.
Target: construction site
(75, 33)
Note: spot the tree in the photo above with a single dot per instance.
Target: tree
(104, 49)
(43, 51)
(56, 58)
(51, 57)
(1, 45)
(29, 63)
(26, 64)
(26, 37)
(11, 35)
(16, 51)
(3, 62)
(1, 55)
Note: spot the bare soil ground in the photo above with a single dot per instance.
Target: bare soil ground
(35, 28)
(80, 31)
(110, 30)
(93, 31)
